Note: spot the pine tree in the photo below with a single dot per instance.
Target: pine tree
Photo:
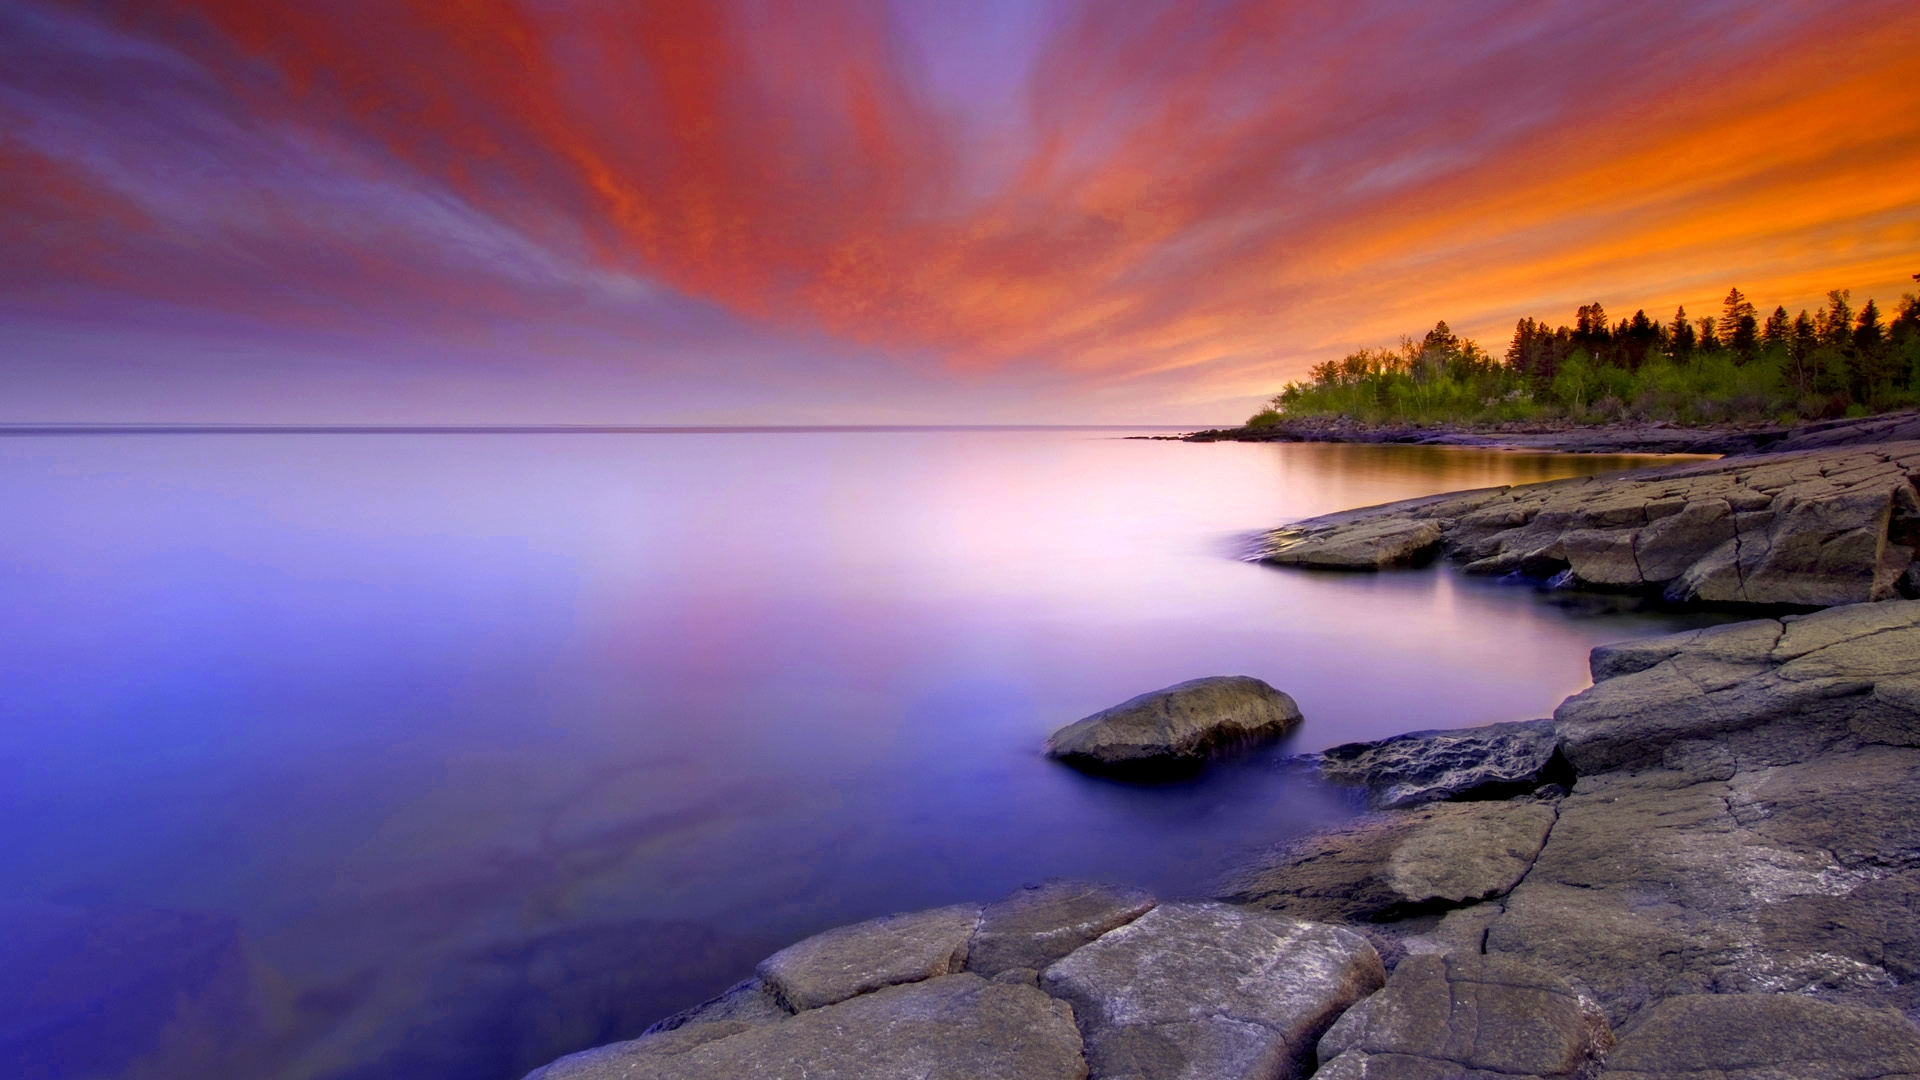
(1681, 334)
(1868, 334)
(1778, 332)
(1708, 340)
(1739, 324)
(1835, 324)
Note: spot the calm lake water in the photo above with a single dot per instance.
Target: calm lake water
(437, 756)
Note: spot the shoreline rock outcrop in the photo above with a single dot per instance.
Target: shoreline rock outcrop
(1705, 866)
(1811, 529)
(1566, 437)
(1177, 729)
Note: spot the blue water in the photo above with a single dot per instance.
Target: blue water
(437, 756)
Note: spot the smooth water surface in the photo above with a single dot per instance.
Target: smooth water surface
(437, 756)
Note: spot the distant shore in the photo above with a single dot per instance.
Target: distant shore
(1568, 437)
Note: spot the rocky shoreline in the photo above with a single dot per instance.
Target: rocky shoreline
(1704, 867)
(1569, 438)
(1811, 528)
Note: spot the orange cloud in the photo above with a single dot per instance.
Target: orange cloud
(1230, 189)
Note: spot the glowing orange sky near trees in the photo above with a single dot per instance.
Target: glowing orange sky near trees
(1226, 190)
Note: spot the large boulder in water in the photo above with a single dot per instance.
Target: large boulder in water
(1178, 728)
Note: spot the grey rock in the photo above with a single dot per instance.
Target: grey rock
(1817, 674)
(1371, 538)
(1730, 870)
(955, 1027)
(1178, 727)
(1429, 766)
(749, 1002)
(1815, 528)
(1039, 924)
(1765, 1037)
(1464, 1015)
(1389, 866)
(1202, 991)
(851, 960)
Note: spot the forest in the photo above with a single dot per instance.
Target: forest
(1737, 367)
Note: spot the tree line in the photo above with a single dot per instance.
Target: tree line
(1738, 365)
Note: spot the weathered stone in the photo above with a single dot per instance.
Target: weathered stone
(1428, 766)
(1177, 728)
(1368, 539)
(749, 1002)
(1825, 527)
(1392, 865)
(1042, 923)
(1467, 1015)
(1816, 674)
(1201, 991)
(1771, 877)
(1765, 1037)
(850, 960)
(955, 1027)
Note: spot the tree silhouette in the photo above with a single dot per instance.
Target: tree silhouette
(1739, 324)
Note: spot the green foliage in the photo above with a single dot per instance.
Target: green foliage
(1686, 371)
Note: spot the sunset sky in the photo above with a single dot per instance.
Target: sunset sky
(919, 211)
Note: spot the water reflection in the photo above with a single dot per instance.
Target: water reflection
(438, 756)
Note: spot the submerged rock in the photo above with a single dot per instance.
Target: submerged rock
(1463, 1015)
(1195, 990)
(1816, 528)
(1176, 729)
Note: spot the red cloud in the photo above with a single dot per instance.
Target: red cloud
(1224, 183)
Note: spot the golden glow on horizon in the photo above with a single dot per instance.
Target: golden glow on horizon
(1232, 198)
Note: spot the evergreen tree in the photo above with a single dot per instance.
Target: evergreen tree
(1681, 334)
(1708, 340)
(1835, 324)
(1778, 332)
(1638, 336)
(1806, 335)
(1868, 334)
(1739, 324)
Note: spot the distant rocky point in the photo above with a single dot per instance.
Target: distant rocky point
(1811, 528)
(1568, 437)
(1176, 729)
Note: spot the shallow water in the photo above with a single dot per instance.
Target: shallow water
(440, 755)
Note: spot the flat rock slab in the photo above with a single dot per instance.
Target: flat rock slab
(1039, 924)
(1430, 766)
(1393, 865)
(1726, 873)
(1177, 728)
(1202, 991)
(1462, 1016)
(956, 1027)
(1815, 528)
(1821, 671)
(851, 960)
(1765, 1037)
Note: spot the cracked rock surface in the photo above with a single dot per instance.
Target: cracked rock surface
(1388, 866)
(1467, 1017)
(1813, 528)
(851, 960)
(1730, 883)
(1204, 991)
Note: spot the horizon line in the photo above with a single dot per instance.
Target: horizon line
(17, 429)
